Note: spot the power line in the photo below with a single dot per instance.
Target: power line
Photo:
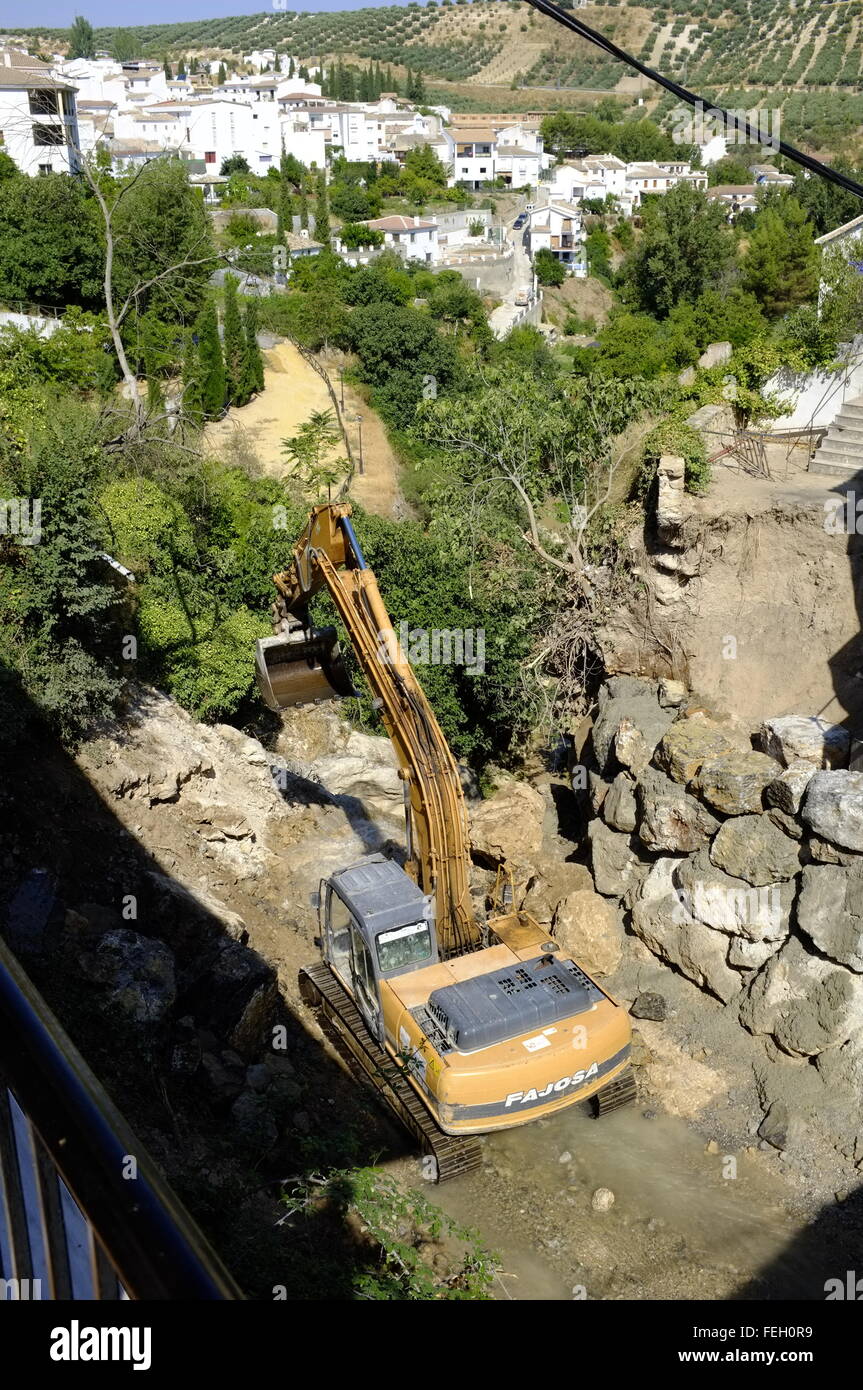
(815, 166)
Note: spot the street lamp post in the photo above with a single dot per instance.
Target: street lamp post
(359, 420)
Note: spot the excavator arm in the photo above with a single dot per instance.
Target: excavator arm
(302, 663)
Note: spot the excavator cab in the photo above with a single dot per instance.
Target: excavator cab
(301, 666)
(377, 924)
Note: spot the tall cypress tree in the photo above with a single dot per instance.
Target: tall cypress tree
(304, 207)
(253, 373)
(322, 215)
(211, 365)
(234, 342)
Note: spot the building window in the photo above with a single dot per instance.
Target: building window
(48, 135)
(482, 168)
(43, 103)
(45, 169)
(209, 156)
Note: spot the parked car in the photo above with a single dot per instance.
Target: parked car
(520, 221)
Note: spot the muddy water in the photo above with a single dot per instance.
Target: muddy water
(685, 1224)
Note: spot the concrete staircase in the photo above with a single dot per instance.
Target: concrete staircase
(840, 453)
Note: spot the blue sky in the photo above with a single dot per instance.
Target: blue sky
(53, 14)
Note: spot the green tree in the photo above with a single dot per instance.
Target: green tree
(311, 453)
(222, 76)
(234, 344)
(685, 249)
(254, 364)
(49, 243)
(549, 270)
(82, 40)
(208, 384)
(166, 67)
(322, 216)
(780, 267)
(235, 164)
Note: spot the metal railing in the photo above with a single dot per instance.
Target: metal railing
(84, 1212)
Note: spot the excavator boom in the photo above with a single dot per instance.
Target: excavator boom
(328, 557)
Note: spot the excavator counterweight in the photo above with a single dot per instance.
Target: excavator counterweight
(462, 1026)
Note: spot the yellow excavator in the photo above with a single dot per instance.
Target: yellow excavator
(463, 1026)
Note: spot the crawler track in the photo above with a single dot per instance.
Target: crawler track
(344, 1026)
(621, 1091)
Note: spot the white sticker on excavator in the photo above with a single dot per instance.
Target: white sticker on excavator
(534, 1044)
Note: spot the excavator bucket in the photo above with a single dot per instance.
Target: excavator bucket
(298, 668)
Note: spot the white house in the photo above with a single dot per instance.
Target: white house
(558, 227)
(38, 116)
(644, 179)
(411, 237)
(572, 183)
(735, 197)
(471, 151)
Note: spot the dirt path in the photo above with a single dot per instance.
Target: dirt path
(292, 391)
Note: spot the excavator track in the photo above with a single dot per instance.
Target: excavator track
(345, 1028)
(621, 1091)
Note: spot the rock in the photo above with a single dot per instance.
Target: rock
(565, 1157)
(774, 1126)
(671, 694)
(630, 746)
(258, 1076)
(750, 955)
(793, 737)
(366, 771)
(833, 808)
(785, 823)
(689, 743)
(618, 808)
(730, 904)
(253, 1122)
(716, 354)
(697, 951)
(137, 973)
(734, 783)
(598, 790)
(711, 1147)
(786, 791)
(650, 1006)
(253, 1028)
(824, 853)
(236, 993)
(805, 1003)
(602, 1199)
(589, 929)
(670, 497)
(669, 818)
(554, 880)
(625, 697)
(830, 912)
(753, 848)
(509, 825)
(226, 1082)
(616, 865)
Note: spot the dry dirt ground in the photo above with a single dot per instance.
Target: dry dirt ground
(585, 298)
(292, 391)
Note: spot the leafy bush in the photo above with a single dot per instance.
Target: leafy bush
(675, 437)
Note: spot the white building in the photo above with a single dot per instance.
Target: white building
(480, 153)
(411, 237)
(38, 116)
(557, 227)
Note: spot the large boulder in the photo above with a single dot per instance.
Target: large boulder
(670, 498)
(833, 808)
(508, 826)
(734, 783)
(618, 807)
(635, 701)
(553, 880)
(786, 791)
(617, 867)
(753, 848)
(830, 912)
(589, 929)
(698, 951)
(814, 740)
(670, 820)
(804, 1002)
(365, 771)
(689, 743)
(733, 906)
(136, 974)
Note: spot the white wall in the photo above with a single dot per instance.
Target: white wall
(817, 396)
